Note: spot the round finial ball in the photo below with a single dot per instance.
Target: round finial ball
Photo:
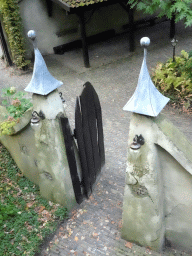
(31, 34)
(145, 41)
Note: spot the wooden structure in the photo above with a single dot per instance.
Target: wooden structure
(90, 141)
(89, 135)
(80, 7)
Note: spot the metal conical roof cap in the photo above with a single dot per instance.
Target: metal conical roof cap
(42, 81)
(146, 100)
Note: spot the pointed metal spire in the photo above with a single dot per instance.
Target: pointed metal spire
(42, 81)
(146, 100)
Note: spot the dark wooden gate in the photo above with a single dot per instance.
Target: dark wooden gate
(68, 140)
(89, 135)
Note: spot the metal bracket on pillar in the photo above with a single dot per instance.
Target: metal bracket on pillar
(84, 39)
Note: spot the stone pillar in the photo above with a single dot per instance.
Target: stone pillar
(159, 172)
(158, 191)
(54, 173)
(143, 209)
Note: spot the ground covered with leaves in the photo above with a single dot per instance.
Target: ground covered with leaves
(25, 217)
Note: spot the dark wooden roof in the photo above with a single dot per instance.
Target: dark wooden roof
(78, 3)
(73, 5)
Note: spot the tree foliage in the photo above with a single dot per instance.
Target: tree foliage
(182, 9)
(10, 14)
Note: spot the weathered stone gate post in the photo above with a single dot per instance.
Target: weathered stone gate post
(158, 191)
(51, 159)
(143, 209)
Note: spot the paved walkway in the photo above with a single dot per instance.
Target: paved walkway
(94, 227)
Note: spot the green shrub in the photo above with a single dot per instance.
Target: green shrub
(9, 10)
(174, 79)
(16, 105)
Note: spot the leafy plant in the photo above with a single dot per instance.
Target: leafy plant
(61, 213)
(174, 79)
(7, 212)
(16, 106)
(15, 103)
(180, 8)
(6, 127)
(9, 10)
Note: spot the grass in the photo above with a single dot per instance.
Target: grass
(25, 217)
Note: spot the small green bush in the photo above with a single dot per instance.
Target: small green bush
(16, 105)
(10, 13)
(174, 79)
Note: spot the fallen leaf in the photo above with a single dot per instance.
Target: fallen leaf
(76, 239)
(56, 241)
(30, 204)
(91, 198)
(129, 245)
(40, 236)
(148, 251)
(95, 234)
(120, 224)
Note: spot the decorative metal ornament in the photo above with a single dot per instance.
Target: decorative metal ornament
(32, 35)
(174, 43)
(36, 117)
(61, 96)
(42, 81)
(146, 100)
(138, 141)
